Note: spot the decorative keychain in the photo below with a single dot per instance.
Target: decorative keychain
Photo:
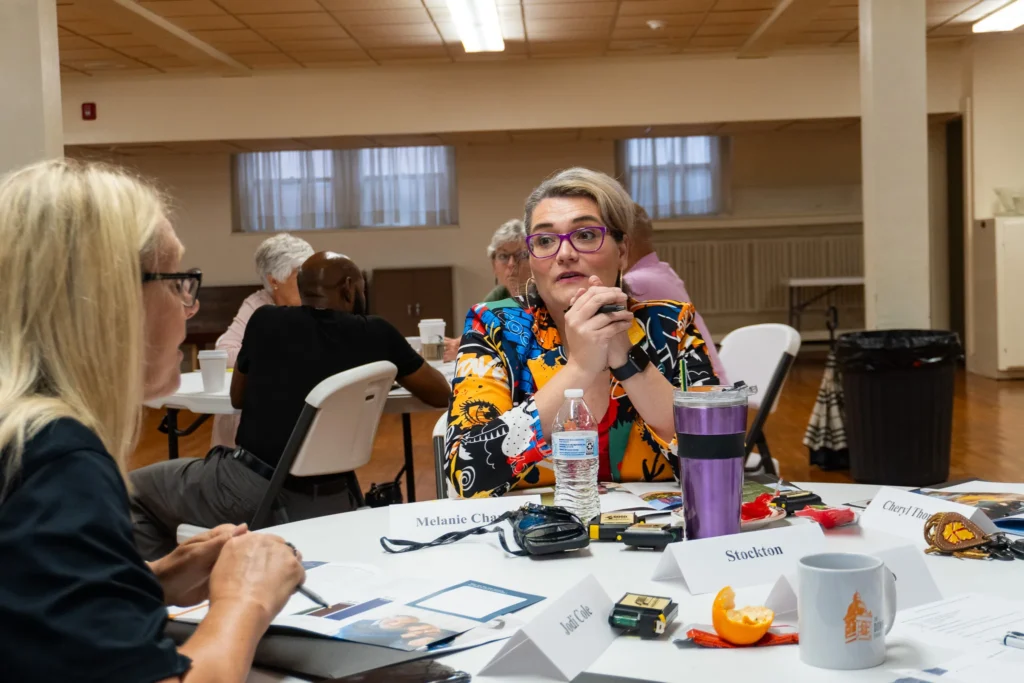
(950, 533)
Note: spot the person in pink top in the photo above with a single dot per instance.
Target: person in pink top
(650, 279)
(277, 263)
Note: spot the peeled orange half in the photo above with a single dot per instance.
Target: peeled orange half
(739, 626)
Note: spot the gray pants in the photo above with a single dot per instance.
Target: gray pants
(210, 491)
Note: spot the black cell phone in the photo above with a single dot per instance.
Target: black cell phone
(418, 671)
(611, 308)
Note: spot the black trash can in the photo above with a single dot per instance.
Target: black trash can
(898, 387)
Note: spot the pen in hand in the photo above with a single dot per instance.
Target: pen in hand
(302, 589)
(312, 596)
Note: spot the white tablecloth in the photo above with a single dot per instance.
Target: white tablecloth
(353, 537)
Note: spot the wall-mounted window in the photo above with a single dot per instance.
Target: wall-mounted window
(676, 177)
(345, 188)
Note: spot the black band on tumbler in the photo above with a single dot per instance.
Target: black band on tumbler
(718, 447)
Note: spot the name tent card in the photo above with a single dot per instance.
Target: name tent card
(746, 559)
(426, 521)
(561, 641)
(902, 513)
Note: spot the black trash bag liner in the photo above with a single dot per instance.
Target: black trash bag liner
(896, 349)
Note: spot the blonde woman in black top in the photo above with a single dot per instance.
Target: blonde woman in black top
(92, 311)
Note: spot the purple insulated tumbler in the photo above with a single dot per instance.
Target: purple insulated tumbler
(710, 428)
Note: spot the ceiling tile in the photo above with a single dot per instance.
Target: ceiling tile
(667, 33)
(73, 42)
(290, 20)
(731, 5)
(654, 9)
(673, 21)
(144, 51)
(265, 59)
(832, 25)
(120, 40)
(816, 37)
(643, 47)
(838, 14)
(249, 47)
(304, 33)
(979, 11)
(325, 44)
(269, 6)
(63, 32)
(599, 24)
(227, 36)
(74, 12)
(560, 48)
(167, 61)
(716, 41)
(87, 53)
(951, 29)
(383, 17)
(343, 5)
(425, 52)
(570, 11)
(747, 18)
(726, 30)
(316, 56)
(207, 23)
(92, 28)
(182, 8)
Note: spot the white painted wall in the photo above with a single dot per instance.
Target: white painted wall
(493, 182)
(472, 97)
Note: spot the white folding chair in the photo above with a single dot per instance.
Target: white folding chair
(439, 455)
(334, 433)
(761, 356)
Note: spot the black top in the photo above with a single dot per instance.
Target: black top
(77, 603)
(288, 350)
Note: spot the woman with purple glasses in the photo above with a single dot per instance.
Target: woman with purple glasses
(518, 356)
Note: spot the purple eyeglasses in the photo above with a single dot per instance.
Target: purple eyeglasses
(584, 240)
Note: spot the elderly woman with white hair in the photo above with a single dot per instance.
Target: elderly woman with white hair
(277, 262)
(509, 261)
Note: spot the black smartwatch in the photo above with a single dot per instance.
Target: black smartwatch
(636, 362)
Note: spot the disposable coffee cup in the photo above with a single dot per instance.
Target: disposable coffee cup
(432, 339)
(213, 365)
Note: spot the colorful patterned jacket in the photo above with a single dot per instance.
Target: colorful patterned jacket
(510, 349)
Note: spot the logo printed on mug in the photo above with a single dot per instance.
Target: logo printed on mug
(860, 625)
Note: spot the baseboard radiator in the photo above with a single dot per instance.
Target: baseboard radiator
(737, 278)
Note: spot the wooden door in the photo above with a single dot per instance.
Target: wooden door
(432, 298)
(404, 296)
(390, 298)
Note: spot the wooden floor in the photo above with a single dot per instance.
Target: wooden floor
(988, 433)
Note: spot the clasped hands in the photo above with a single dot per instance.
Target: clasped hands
(597, 342)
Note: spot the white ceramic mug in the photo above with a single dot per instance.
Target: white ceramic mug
(847, 606)
(214, 366)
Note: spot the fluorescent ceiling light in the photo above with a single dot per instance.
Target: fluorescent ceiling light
(477, 24)
(1008, 18)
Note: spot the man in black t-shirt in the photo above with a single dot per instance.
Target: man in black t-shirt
(286, 351)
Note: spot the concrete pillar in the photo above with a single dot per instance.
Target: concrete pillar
(894, 143)
(30, 109)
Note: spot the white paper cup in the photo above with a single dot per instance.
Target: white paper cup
(415, 343)
(432, 339)
(214, 367)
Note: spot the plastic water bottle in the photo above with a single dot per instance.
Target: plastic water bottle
(574, 452)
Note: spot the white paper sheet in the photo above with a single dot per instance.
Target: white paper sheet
(962, 622)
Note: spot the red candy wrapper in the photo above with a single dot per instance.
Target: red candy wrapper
(758, 509)
(705, 639)
(828, 518)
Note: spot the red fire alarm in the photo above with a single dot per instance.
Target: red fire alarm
(88, 111)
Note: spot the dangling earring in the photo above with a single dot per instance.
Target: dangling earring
(618, 280)
(532, 295)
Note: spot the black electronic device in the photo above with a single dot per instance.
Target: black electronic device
(791, 501)
(537, 530)
(651, 536)
(646, 615)
(611, 308)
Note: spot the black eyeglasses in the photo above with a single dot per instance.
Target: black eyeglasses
(186, 285)
(504, 257)
(584, 240)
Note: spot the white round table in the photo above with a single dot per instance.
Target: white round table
(354, 537)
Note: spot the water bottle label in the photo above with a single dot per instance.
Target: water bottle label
(574, 445)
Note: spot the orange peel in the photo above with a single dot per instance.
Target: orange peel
(743, 626)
